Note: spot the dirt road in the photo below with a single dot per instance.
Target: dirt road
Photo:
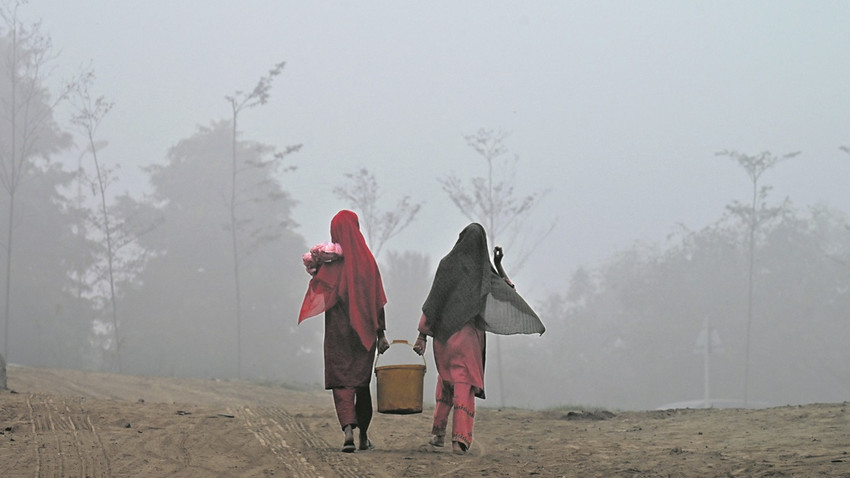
(64, 423)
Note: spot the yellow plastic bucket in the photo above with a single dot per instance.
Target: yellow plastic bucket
(400, 384)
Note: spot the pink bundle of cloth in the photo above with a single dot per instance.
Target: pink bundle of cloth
(320, 253)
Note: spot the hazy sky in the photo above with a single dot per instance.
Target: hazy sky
(618, 107)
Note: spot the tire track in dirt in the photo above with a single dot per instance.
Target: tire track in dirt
(286, 436)
(66, 441)
(271, 435)
(45, 450)
(344, 465)
(92, 455)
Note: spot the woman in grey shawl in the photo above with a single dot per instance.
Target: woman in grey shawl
(468, 297)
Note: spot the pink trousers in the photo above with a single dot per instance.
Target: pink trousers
(461, 398)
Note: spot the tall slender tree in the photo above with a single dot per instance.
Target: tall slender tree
(32, 134)
(754, 214)
(240, 101)
(89, 113)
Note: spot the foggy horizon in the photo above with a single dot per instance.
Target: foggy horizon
(616, 109)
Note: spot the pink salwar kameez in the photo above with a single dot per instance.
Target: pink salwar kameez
(467, 297)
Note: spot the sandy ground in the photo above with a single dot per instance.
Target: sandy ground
(64, 423)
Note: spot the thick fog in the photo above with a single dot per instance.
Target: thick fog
(613, 112)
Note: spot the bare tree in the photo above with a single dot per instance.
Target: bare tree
(380, 226)
(27, 109)
(89, 113)
(492, 201)
(239, 102)
(754, 215)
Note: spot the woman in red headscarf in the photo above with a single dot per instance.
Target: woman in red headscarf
(467, 298)
(350, 292)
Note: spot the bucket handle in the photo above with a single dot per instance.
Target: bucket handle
(405, 342)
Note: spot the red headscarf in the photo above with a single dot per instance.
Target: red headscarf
(355, 280)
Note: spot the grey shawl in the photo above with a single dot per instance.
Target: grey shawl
(467, 286)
